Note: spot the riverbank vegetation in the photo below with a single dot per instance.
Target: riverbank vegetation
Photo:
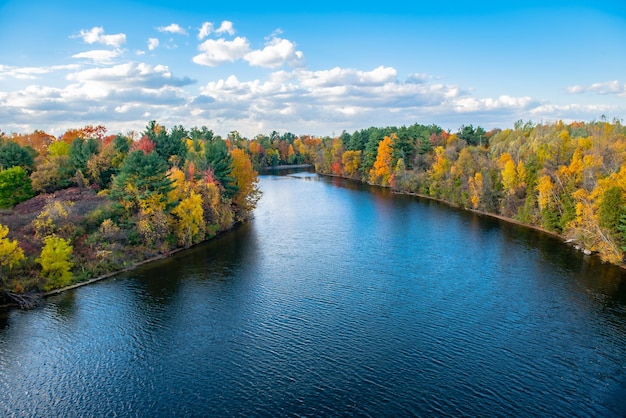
(569, 179)
(87, 203)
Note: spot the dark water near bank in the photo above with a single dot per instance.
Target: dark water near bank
(337, 300)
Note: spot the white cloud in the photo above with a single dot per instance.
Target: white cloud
(277, 52)
(99, 55)
(205, 30)
(96, 35)
(172, 28)
(471, 104)
(130, 75)
(32, 73)
(347, 76)
(609, 87)
(153, 43)
(218, 51)
(208, 28)
(226, 27)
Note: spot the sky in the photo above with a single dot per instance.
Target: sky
(309, 69)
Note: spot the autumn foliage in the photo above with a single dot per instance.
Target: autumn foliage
(103, 202)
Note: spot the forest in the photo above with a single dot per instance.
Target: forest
(568, 179)
(87, 203)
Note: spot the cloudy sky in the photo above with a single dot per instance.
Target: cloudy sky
(313, 69)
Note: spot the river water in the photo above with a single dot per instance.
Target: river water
(336, 300)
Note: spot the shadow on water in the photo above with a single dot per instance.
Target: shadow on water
(214, 262)
(604, 282)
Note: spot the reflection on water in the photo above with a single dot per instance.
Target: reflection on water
(337, 299)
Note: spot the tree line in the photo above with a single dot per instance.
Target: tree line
(88, 203)
(569, 179)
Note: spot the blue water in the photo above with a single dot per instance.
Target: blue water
(336, 300)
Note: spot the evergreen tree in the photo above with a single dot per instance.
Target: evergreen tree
(141, 177)
(220, 161)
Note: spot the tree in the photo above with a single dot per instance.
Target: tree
(10, 251)
(12, 154)
(55, 262)
(52, 174)
(171, 147)
(141, 177)
(472, 136)
(81, 151)
(190, 215)
(381, 172)
(15, 187)
(220, 161)
(351, 161)
(246, 178)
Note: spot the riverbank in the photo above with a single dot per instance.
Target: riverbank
(35, 297)
(489, 214)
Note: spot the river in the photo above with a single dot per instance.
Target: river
(336, 300)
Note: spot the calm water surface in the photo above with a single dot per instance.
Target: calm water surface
(336, 300)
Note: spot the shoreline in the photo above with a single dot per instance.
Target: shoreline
(43, 295)
(481, 213)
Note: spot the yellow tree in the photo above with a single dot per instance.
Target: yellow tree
(476, 189)
(381, 172)
(179, 185)
(10, 252)
(351, 161)
(439, 172)
(247, 180)
(190, 219)
(55, 262)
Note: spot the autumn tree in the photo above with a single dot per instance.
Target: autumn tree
(189, 219)
(381, 172)
(246, 179)
(351, 161)
(10, 252)
(55, 261)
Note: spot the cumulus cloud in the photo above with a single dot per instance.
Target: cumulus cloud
(205, 30)
(214, 52)
(99, 55)
(172, 28)
(130, 75)
(31, 73)
(96, 35)
(153, 44)
(117, 96)
(609, 87)
(226, 27)
(277, 52)
(471, 104)
(208, 28)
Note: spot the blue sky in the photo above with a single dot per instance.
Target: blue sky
(318, 68)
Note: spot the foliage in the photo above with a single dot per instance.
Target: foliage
(56, 264)
(15, 187)
(14, 155)
(219, 161)
(10, 252)
(141, 177)
(190, 217)
(246, 179)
